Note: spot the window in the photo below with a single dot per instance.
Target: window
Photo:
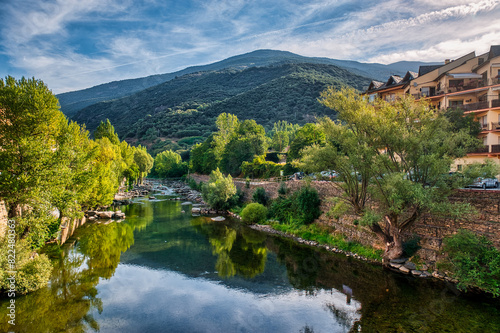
(459, 167)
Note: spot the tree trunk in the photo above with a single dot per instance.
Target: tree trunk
(391, 236)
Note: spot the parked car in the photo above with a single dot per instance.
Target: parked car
(298, 175)
(329, 174)
(485, 182)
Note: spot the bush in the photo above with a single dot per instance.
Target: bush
(219, 190)
(308, 203)
(32, 274)
(473, 261)
(301, 207)
(260, 196)
(254, 213)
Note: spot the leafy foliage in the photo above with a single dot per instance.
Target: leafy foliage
(473, 261)
(302, 207)
(254, 213)
(219, 190)
(260, 196)
(169, 165)
(397, 153)
(260, 168)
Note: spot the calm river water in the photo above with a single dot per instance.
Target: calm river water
(164, 271)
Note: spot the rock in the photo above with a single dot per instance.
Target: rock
(90, 213)
(425, 274)
(416, 272)
(151, 198)
(403, 269)
(425, 267)
(186, 203)
(104, 215)
(195, 210)
(218, 218)
(399, 261)
(410, 265)
(394, 265)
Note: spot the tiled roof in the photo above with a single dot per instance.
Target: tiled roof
(494, 52)
(394, 79)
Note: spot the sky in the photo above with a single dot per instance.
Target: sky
(76, 44)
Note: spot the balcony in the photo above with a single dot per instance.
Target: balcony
(495, 103)
(481, 150)
(474, 106)
(495, 126)
(495, 148)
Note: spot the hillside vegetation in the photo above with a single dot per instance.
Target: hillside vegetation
(188, 105)
(72, 102)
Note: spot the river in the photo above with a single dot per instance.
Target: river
(162, 270)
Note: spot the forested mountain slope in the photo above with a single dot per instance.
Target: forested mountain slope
(72, 102)
(188, 105)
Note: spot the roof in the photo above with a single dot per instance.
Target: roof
(410, 76)
(422, 70)
(494, 52)
(375, 85)
(394, 79)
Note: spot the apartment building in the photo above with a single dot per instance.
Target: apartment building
(471, 83)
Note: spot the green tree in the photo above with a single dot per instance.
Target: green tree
(202, 157)
(409, 148)
(219, 190)
(249, 141)
(227, 125)
(169, 164)
(106, 130)
(31, 126)
(143, 160)
(308, 135)
(280, 141)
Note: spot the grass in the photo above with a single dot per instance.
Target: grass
(314, 233)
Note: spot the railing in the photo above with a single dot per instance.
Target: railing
(495, 103)
(472, 106)
(484, 126)
(481, 150)
(495, 148)
(495, 126)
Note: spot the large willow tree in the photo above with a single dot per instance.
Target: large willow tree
(392, 153)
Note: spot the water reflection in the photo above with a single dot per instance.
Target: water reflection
(239, 251)
(195, 275)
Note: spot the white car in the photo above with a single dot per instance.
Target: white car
(485, 182)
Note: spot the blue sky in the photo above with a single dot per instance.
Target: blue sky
(75, 44)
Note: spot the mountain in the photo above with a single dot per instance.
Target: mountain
(185, 108)
(72, 102)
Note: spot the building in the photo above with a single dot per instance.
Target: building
(471, 83)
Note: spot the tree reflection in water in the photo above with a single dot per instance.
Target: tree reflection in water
(240, 251)
(67, 303)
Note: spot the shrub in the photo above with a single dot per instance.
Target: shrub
(219, 190)
(254, 213)
(260, 196)
(308, 203)
(32, 274)
(473, 261)
(301, 207)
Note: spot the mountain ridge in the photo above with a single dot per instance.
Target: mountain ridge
(72, 102)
